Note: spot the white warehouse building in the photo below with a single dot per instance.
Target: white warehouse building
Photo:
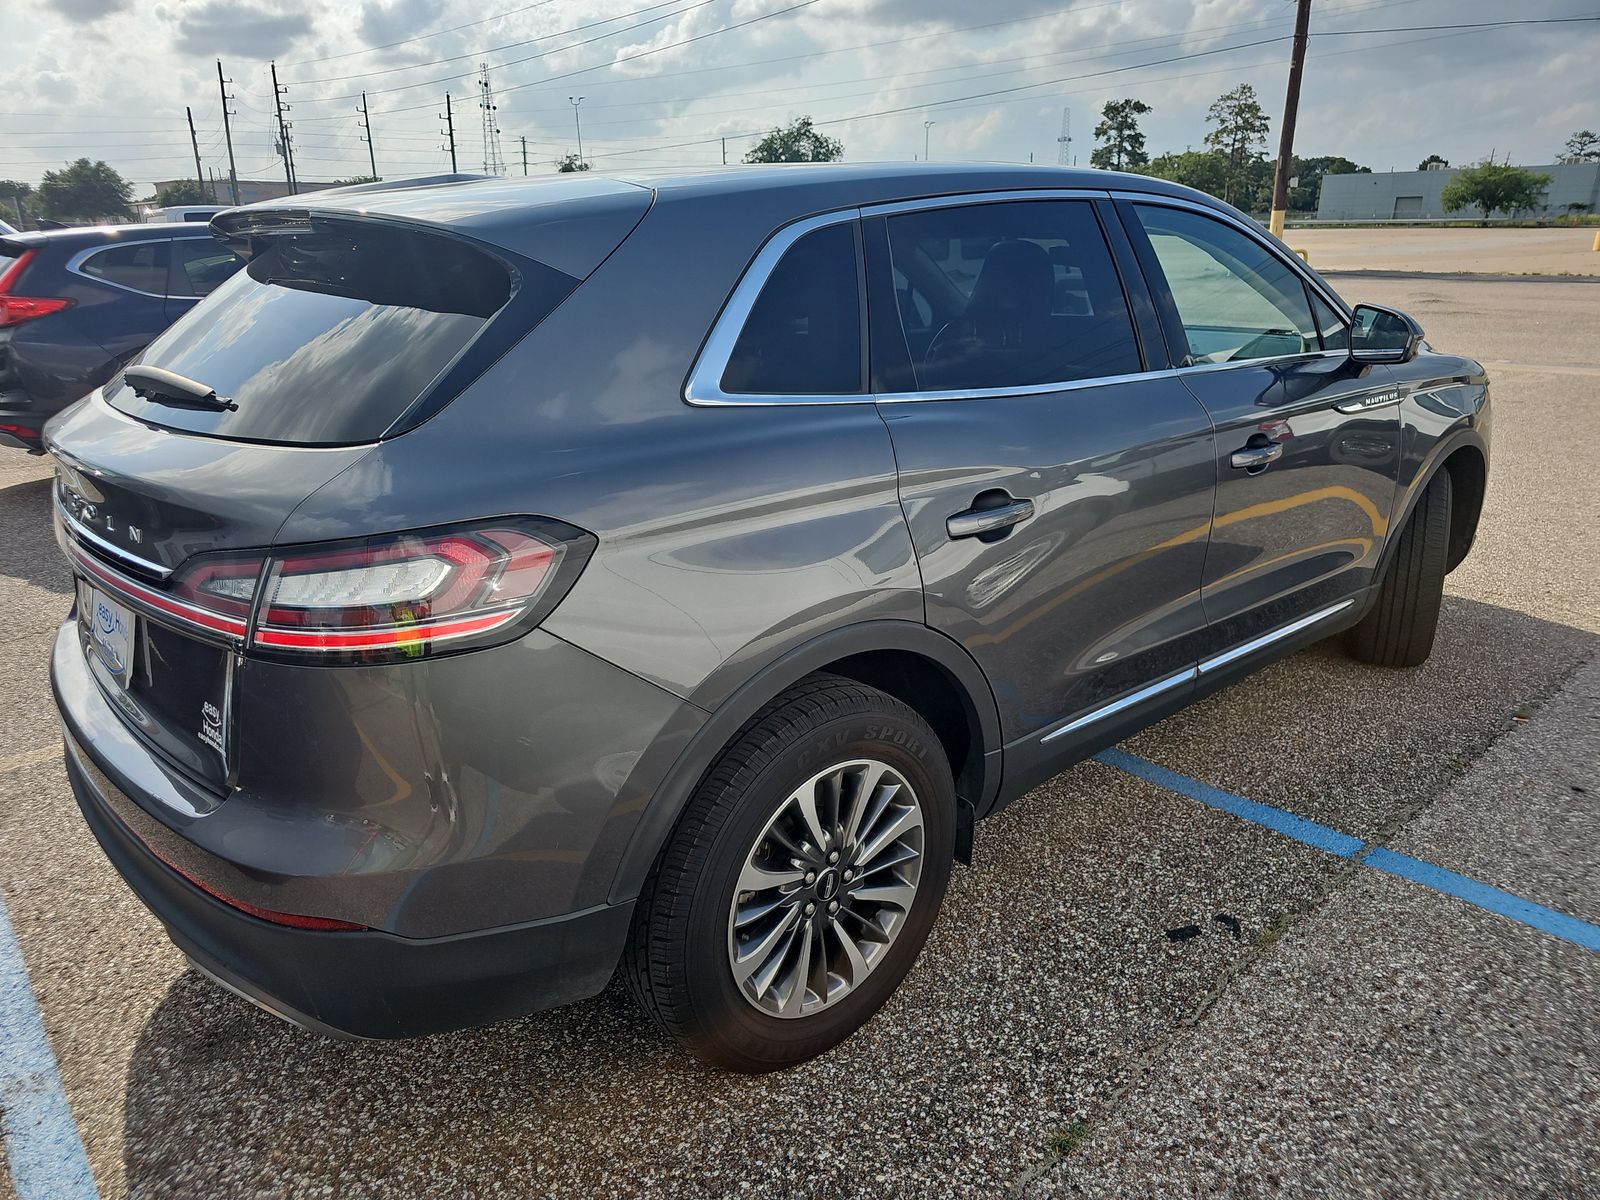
(1414, 195)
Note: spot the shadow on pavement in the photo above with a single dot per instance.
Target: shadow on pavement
(27, 541)
(1060, 965)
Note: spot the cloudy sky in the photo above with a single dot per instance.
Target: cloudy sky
(663, 83)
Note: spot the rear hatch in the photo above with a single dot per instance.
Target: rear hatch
(344, 328)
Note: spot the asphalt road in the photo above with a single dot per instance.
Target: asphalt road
(1329, 1031)
(1555, 251)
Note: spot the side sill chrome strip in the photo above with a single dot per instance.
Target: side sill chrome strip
(1182, 677)
(1116, 706)
(1277, 635)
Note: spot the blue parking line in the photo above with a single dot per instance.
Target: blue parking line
(1402, 866)
(43, 1151)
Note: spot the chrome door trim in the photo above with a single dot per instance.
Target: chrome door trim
(704, 385)
(964, 199)
(1253, 231)
(1276, 635)
(1116, 706)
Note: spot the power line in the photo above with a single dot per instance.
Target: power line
(421, 37)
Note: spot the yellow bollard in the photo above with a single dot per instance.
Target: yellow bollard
(1306, 257)
(1596, 246)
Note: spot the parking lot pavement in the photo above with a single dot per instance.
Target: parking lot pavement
(1063, 1005)
(1554, 251)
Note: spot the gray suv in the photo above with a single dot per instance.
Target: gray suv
(498, 581)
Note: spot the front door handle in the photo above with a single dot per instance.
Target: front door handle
(976, 522)
(1258, 455)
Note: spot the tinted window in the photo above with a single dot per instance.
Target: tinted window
(1009, 295)
(803, 336)
(1335, 330)
(327, 335)
(1236, 300)
(138, 265)
(203, 264)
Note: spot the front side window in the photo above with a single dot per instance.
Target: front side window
(1236, 300)
(1335, 330)
(803, 335)
(1008, 295)
(138, 265)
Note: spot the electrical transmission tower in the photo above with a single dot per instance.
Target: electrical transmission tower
(493, 162)
(1065, 139)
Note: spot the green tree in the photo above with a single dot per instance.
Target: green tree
(571, 162)
(353, 180)
(1492, 186)
(1204, 170)
(1303, 197)
(85, 191)
(1583, 147)
(16, 200)
(1240, 135)
(185, 191)
(1123, 147)
(798, 142)
(1431, 160)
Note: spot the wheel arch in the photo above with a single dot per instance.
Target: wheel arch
(1466, 456)
(924, 669)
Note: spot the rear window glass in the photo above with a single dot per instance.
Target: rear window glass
(330, 334)
(141, 266)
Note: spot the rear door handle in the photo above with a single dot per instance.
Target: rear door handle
(1257, 458)
(976, 522)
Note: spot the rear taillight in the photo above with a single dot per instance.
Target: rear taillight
(14, 310)
(393, 597)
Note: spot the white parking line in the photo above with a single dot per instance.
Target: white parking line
(43, 1150)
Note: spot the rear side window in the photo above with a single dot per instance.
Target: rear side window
(1236, 300)
(203, 265)
(331, 334)
(803, 335)
(1007, 295)
(141, 266)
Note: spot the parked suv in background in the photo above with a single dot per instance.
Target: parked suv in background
(501, 579)
(75, 304)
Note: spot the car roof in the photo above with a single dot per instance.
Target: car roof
(78, 236)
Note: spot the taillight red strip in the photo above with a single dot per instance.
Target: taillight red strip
(395, 635)
(293, 920)
(122, 585)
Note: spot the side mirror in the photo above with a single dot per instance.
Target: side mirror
(1383, 335)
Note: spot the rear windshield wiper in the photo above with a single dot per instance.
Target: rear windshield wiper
(156, 384)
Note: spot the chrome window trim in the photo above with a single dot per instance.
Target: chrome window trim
(83, 533)
(703, 389)
(75, 264)
(1253, 231)
(704, 385)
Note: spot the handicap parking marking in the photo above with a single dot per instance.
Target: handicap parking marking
(43, 1150)
(1325, 838)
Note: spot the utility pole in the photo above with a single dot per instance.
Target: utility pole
(1291, 107)
(366, 123)
(575, 101)
(450, 131)
(524, 155)
(926, 126)
(227, 132)
(199, 175)
(283, 133)
(1064, 142)
(724, 151)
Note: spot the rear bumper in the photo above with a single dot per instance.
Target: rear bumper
(21, 424)
(359, 984)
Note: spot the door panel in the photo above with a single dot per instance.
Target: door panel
(1307, 441)
(995, 329)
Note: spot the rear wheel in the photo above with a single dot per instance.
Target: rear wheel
(1399, 631)
(802, 880)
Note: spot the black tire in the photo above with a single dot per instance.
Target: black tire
(677, 960)
(1399, 630)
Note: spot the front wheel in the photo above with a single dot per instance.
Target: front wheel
(802, 880)
(1399, 630)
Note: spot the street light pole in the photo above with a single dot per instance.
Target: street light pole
(1291, 108)
(926, 125)
(575, 101)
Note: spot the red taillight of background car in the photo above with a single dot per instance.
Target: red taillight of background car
(14, 310)
(394, 597)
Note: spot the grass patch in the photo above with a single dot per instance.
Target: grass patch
(1064, 1141)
